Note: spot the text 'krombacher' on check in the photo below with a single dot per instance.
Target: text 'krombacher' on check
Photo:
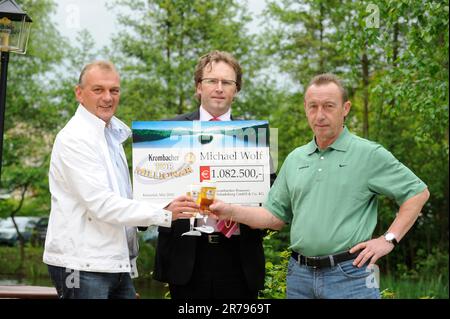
(168, 156)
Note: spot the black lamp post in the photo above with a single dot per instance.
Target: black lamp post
(14, 32)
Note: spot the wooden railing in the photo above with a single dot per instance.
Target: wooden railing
(28, 292)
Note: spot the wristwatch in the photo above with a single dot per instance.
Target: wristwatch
(390, 238)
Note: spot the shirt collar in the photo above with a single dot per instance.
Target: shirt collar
(90, 118)
(205, 116)
(341, 144)
(311, 147)
(120, 131)
(343, 141)
(117, 127)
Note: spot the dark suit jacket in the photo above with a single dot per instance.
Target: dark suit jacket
(175, 255)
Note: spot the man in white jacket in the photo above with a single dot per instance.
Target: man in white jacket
(91, 245)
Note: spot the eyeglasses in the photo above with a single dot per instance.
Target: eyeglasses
(215, 82)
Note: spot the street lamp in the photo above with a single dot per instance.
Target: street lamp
(14, 32)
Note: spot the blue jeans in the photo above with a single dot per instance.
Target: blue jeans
(343, 281)
(74, 284)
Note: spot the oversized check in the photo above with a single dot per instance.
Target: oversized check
(170, 155)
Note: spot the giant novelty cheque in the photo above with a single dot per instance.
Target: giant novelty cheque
(168, 156)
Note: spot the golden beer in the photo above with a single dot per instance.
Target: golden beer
(194, 192)
(207, 195)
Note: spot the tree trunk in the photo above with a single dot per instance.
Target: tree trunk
(321, 62)
(19, 234)
(169, 94)
(394, 56)
(180, 108)
(365, 71)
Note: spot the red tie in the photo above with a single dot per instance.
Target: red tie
(226, 228)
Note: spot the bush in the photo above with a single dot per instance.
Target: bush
(277, 258)
(33, 266)
(145, 259)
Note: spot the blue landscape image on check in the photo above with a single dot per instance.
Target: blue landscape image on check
(194, 134)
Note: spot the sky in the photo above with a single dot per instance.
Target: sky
(74, 15)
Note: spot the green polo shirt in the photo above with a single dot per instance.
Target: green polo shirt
(330, 196)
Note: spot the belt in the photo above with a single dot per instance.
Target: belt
(323, 261)
(217, 238)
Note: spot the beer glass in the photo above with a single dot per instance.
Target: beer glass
(194, 193)
(207, 195)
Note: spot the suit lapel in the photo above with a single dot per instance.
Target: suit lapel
(194, 116)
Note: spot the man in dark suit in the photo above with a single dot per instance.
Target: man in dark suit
(211, 266)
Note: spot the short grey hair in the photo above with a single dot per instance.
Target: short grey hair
(103, 65)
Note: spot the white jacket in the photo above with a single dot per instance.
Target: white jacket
(86, 229)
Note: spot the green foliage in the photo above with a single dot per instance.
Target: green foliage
(33, 266)
(34, 206)
(39, 102)
(30, 112)
(145, 260)
(425, 287)
(277, 257)
(426, 263)
(300, 37)
(275, 281)
(427, 278)
(161, 44)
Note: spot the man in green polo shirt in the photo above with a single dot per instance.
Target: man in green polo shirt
(327, 191)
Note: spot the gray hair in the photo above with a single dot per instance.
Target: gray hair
(103, 65)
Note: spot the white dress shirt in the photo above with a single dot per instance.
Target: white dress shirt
(115, 136)
(205, 116)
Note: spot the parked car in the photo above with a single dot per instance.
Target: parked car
(8, 233)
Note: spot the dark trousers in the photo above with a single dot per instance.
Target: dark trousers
(217, 272)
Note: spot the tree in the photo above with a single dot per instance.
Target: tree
(159, 47)
(31, 115)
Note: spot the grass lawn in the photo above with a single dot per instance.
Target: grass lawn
(424, 287)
